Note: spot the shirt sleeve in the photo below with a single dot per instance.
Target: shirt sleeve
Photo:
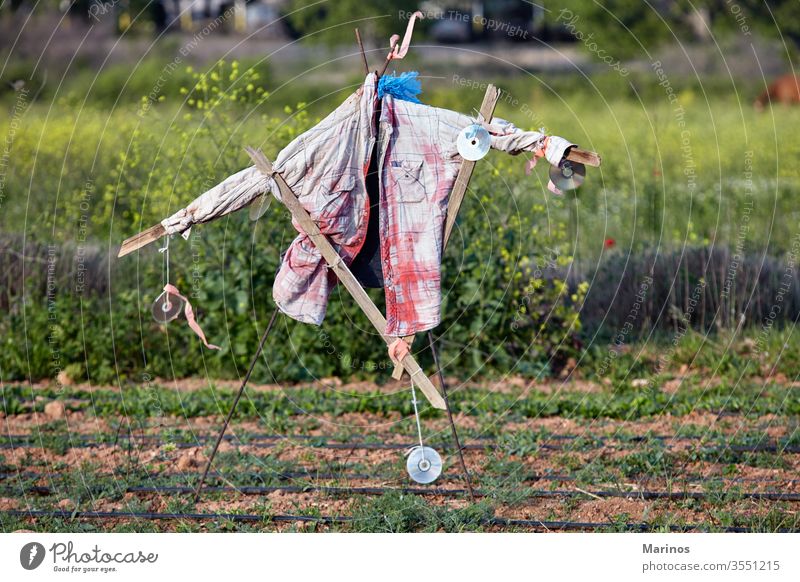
(507, 137)
(230, 195)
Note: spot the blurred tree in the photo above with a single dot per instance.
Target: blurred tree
(385, 17)
(625, 28)
(622, 28)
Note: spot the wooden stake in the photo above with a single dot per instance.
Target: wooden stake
(335, 262)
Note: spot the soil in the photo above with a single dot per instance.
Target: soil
(387, 466)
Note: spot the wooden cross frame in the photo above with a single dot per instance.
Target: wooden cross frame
(335, 261)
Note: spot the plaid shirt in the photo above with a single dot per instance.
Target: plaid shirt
(326, 167)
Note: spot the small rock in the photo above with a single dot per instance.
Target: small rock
(639, 383)
(186, 462)
(66, 504)
(54, 410)
(63, 378)
(7, 503)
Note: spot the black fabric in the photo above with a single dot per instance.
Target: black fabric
(366, 266)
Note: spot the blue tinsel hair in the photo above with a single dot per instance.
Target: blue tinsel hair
(405, 87)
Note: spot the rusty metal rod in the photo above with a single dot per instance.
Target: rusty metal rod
(235, 402)
(450, 418)
(388, 59)
(363, 54)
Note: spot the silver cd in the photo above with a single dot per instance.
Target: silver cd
(568, 175)
(259, 206)
(473, 142)
(424, 465)
(166, 307)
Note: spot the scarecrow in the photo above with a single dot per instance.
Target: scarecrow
(374, 190)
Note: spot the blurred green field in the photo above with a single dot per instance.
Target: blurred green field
(669, 176)
(104, 157)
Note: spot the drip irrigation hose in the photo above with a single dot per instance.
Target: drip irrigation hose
(329, 520)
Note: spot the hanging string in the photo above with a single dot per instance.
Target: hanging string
(416, 415)
(188, 312)
(165, 270)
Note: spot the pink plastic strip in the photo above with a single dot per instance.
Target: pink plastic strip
(189, 313)
(400, 52)
(552, 188)
(532, 162)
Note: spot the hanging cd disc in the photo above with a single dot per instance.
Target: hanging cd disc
(424, 465)
(473, 142)
(166, 307)
(259, 206)
(568, 175)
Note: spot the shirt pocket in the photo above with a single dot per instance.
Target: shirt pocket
(334, 196)
(408, 176)
(324, 194)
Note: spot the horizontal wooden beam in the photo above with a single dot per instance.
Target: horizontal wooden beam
(142, 239)
(585, 157)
